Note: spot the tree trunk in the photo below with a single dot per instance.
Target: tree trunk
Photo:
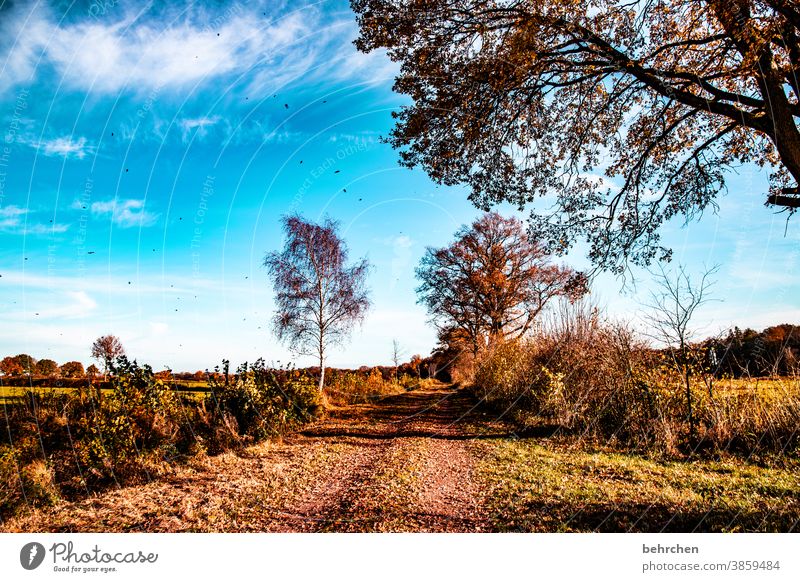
(321, 372)
(734, 16)
(689, 400)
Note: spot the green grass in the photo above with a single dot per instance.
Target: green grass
(545, 486)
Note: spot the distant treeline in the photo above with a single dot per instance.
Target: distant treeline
(774, 351)
(738, 353)
(417, 367)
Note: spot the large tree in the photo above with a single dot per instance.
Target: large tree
(320, 298)
(27, 363)
(9, 366)
(492, 281)
(73, 369)
(526, 98)
(46, 367)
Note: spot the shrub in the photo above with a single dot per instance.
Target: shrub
(578, 371)
(510, 375)
(66, 443)
(259, 402)
(596, 378)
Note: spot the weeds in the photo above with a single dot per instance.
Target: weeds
(596, 378)
(66, 444)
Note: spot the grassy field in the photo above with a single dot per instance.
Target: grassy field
(534, 485)
(431, 459)
(770, 387)
(346, 388)
(11, 393)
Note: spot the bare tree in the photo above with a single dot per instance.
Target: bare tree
(397, 356)
(492, 281)
(319, 298)
(671, 308)
(105, 350)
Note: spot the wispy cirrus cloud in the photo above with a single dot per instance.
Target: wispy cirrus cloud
(197, 126)
(11, 217)
(144, 50)
(166, 47)
(13, 220)
(12, 212)
(125, 213)
(66, 147)
(40, 228)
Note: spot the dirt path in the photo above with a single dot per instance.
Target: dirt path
(405, 463)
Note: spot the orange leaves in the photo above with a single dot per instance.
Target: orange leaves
(492, 280)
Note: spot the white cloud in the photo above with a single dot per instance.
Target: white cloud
(11, 212)
(57, 305)
(199, 125)
(364, 137)
(144, 52)
(13, 221)
(375, 67)
(169, 48)
(125, 213)
(200, 122)
(66, 147)
(46, 229)
(102, 284)
(158, 328)
(82, 303)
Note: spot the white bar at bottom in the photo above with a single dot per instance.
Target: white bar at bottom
(390, 557)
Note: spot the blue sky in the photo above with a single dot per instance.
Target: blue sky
(148, 152)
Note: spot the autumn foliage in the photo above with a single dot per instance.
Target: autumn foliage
(319, 296)
(491, 282)
(522, 100)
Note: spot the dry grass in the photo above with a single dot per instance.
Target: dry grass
(399, 465)
(350, 387)
(595, 378)
(430, 460)
(69, 443)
